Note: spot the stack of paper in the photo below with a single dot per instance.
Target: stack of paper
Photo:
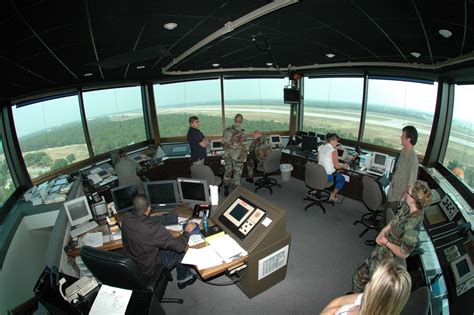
(110, 300)
(202, 258)
(227, 248)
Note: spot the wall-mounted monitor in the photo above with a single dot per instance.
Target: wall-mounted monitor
(123, 197)
(275, 140)
(216, 145)
(291, 96)
(163, 194)
(193, 191)
(309, 143)
(78, 211)
(379, 160)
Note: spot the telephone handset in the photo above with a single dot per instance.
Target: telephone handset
(81, 287)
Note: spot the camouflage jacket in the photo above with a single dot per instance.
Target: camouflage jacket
(233, 143)
(259, 149)
(405, 227)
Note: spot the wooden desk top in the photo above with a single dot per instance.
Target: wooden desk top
(182, 211)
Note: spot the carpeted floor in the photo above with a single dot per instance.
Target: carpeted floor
(324, 253)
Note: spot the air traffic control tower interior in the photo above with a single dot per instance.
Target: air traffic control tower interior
(81, 80)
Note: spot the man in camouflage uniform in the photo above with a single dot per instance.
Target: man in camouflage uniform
(258, 151)
(235, 152)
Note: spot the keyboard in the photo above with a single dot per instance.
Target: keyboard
(83, 229)
(166, 219)
(376, 171)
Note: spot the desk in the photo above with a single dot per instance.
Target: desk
(182, 211)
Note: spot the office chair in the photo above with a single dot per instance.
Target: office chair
(372, 197)
(133, 180)
(270, 165)
(205, 172)
(114, 157)
(120, 271)
(316, 179)
(418, 302)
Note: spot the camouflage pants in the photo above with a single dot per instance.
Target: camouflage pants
(251, 165)
(233, 167)
(362, 276)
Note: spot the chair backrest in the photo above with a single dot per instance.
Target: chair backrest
(315, 176)
(136, 180)
(418, 302)
(203, 172)
(272, 162)
(372, 194)
(114, 269)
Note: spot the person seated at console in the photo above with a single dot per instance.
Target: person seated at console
(328, 158)
(386, 293)
(258, 151)
(149, 243)
(125, 166)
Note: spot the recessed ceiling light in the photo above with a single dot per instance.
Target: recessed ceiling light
(88, 74)
(415, 54)
(170, 26)
(215, 64)
(269, 64)
(445, 33)
(140, 67)
(330, 55)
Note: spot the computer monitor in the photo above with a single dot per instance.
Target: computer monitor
(176, 149)
(216, 145)
(275, 140)
(163, 194)
(123, 197)
(291, 96)
(309, 143)
(311, 133)
(379, 160)
(193, 191)
(342, 153)
(78, 211)
(321, 137)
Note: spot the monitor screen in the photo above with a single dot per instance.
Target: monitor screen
(309, 143)
(340, 152)
(176, 149)
(379, 160)
(162, 194)
(291, 96)
(238, 212)
(123, 197)
(78, 210)
(275, 139)
(193, 191)
(216, 145)
(321, 137)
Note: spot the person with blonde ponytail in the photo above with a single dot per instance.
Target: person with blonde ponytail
(386, 293)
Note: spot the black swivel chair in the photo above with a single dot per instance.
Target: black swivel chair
(270, 166)
(120, 271)
(316, 179)
(373, 197)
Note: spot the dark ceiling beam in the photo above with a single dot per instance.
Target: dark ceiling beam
(41, 40)
(424, 30)
(381, 29)
(465, 27)
(27, 70)
(92, 38)
(135, 47)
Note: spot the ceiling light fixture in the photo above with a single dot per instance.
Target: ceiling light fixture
(140, 67)
(269, 64)
(445, 33)
(415, 54)
(330, 55)
(88, 74)
(170, 26)
(215, 65)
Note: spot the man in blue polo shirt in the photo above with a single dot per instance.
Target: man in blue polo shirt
(197, 142)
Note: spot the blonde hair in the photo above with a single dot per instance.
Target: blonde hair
(422, 194)
(388, 290)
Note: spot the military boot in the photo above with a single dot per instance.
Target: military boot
(226, 190)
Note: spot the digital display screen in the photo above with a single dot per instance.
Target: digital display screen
(238, 212)
(340, 152)
(275, 139)
(162, 193)
(102, 173)
(193, 191)
(123, 197)
(217, 144)
(379, 159)
(78, 209)
(462, 267)
(309, 143)
(179, 149)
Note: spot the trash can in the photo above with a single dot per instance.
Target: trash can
(286, 171)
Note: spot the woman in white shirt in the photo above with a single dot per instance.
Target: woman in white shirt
(386, 293)
(327, 157)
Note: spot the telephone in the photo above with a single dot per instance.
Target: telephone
(81, 287)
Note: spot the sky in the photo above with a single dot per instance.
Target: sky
(51, 113)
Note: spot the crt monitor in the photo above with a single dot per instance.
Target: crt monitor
(379, 160)
(321, 137)
(309, 143)
(123, 197)
(193, 191)
(275, 140)
(162, 194)
(342, 153)
(78, 210)
(216, 145)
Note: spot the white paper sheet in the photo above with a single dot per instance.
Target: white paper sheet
(93, 239)
(202, 258)
(110, 301)
(195, 239)
(227, 248)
